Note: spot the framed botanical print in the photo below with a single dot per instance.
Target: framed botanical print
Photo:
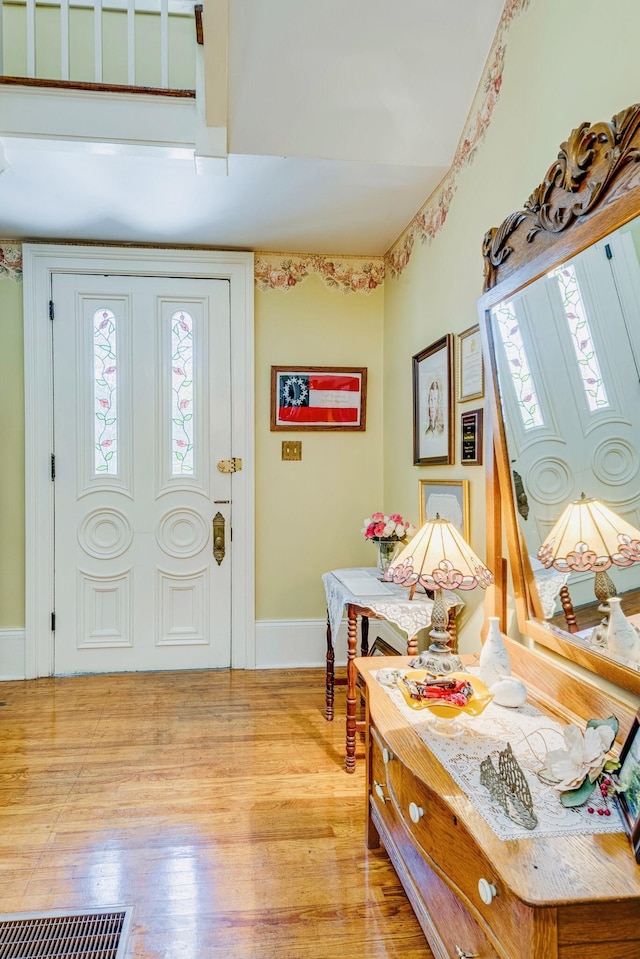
(433, 427)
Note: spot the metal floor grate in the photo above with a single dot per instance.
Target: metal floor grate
(93, 934)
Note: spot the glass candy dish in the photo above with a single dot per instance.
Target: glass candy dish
(445, 713)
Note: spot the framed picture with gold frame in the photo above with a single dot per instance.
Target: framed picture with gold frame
(449, 499)
(470, 365)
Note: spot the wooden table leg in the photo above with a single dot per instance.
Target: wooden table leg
(352, 642)
(329, 695)
(412, 646)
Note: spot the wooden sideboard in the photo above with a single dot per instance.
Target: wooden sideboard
(569, 897)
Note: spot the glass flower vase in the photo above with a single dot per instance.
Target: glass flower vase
(387, 549)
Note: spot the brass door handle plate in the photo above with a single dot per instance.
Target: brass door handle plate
(219, 549)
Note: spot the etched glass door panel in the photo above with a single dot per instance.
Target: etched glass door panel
(142, 416)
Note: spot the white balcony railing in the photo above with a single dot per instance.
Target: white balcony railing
(137, 43)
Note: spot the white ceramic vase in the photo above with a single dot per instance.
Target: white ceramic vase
(622, 638)
(494, 659)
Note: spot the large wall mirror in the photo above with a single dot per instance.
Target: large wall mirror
(561, 327)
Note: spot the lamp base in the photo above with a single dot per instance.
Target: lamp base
(437, 659)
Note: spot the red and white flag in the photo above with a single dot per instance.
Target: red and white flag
(319, 398)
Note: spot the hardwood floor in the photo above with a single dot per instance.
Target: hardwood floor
(215, 803)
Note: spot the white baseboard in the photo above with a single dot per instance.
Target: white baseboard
(12, 654)
(292, 643)
(280, 644)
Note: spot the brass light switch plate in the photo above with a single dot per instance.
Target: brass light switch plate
(292, 449)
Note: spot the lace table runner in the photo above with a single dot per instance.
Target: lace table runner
(388, 600)
(488, 734)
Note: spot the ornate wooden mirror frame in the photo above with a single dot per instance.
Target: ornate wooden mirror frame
(592, 189)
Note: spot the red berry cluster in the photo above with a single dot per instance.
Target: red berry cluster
(606, 790)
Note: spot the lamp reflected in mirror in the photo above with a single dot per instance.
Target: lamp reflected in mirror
(590, 537)
(438, 558)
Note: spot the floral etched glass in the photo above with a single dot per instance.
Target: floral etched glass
(519, 368)
(583, 345)
(105, 393)
(182, 422)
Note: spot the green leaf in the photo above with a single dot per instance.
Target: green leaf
(609, 721)
(579, 796)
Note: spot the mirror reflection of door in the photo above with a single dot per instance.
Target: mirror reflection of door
(567, 350)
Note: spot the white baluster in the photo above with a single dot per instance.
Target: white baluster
(31, 38)
(131, 42)
(164, 42)
(1, 36)
(97, 39)
(64, 39)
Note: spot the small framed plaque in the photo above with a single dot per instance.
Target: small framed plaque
(470, 365)
(471, 437)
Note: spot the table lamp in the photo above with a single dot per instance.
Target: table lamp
(438, 558)
(589, 536)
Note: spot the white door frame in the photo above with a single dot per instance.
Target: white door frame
(39, 262)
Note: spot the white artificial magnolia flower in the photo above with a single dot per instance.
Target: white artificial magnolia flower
(584, 755)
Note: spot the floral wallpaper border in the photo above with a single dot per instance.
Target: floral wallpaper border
(431, 217)
(283, 271)
(11, 260)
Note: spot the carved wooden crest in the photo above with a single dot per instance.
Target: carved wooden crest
(590, 165)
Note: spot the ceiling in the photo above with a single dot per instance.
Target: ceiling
(342, 119)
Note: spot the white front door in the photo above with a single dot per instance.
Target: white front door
(141, 412)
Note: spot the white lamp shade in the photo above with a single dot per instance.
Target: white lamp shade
(589, 536)
(438, 558)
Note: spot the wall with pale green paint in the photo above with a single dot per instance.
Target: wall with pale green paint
(309, 514)
(11, 456)
(566, 62)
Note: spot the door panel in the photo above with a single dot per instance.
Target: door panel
(141, 417)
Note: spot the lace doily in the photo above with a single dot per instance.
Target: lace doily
(549, 583)
(488, 734)
(388, 600)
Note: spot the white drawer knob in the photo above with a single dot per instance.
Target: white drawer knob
(380, 792)
(415, 812)
(387, 755)
(487, 891)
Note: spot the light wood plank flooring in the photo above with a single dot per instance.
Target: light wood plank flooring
(215, 803)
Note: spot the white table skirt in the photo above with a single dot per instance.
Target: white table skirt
(362, 587)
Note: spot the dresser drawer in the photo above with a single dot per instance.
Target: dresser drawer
(450, 929)
(440, 837)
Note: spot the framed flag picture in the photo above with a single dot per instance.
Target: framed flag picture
(318, 398)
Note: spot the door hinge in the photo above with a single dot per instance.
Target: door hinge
(50, 309)
(53, 622)
(53, 466)
(230, 466)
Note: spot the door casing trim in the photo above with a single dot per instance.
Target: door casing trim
(40, 261)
